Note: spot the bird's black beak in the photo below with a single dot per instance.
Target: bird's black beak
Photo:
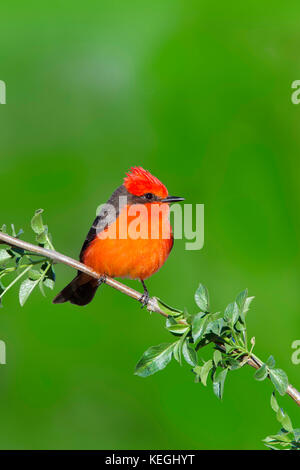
(172, 199)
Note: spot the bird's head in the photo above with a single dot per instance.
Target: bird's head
(146, 187)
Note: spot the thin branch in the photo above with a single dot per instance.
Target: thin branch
(152, 306)
(57, 257)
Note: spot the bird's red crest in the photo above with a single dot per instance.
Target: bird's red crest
(139, 181)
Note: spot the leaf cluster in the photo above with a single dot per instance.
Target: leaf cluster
(287, 438)
(19, 265)
(277, 376)
(226, 331)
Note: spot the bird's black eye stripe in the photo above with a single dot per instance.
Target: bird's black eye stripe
(148, 196)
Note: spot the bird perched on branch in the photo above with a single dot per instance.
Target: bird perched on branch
(131, 237)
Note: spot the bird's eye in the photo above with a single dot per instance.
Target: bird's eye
(148, 196)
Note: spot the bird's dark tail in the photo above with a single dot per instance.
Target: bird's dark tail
(80, 291)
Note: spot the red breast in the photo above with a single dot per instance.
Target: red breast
(134, 246)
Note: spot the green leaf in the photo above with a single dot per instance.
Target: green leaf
(205, 370)
(2, 289)
(284, 420)
(26, 289)
(229, 348)
(231, 313)
(201, 298)
(197, 370)
(34, 275)
(280, 437)
(218, 382)
(217, 357)
(49, 283)
(171, 311)
(178, 329)
(261, 373)
(271, 362)
(274, 403)
(42, 237)
(297, 434)
(239, 326)
(272, 447)
(37, 222)
(177, 350)
(241, 299)
(187, 316)
(189, 354)
(233, 364)
(49, 280)
(170, 321)
(199, 324)
(247, 304)
(279, 380)
(154, 359)
(4, 256)
(41, 287)
(216, 326)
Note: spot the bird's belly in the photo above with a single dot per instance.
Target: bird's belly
(136, 259)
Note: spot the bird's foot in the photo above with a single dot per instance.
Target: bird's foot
(144, 299)
(101, 280)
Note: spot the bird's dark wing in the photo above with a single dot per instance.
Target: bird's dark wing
(108, 214)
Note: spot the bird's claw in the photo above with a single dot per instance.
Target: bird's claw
(101, 280)
(144, 299)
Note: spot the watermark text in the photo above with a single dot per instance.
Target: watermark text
(151, 222)
(2, 92)
(2, 352)
(296, 354)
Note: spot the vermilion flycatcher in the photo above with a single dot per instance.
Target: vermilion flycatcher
(112, 246)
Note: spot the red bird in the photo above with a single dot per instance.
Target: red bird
(115, 247)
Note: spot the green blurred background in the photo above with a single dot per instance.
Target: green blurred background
(199, 94)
